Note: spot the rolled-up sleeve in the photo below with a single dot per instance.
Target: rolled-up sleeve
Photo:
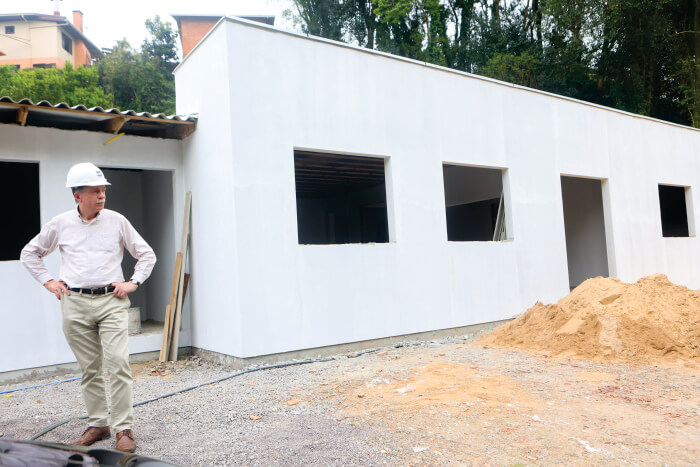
(33, 253)
(140, 250)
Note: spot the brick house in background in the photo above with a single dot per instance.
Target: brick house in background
(31, 40)
(193, 28)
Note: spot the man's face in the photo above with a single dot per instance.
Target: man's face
(92, 199)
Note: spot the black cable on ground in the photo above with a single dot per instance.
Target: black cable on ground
(250, 370)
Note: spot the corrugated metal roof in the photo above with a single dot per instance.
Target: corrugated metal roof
(78, 117)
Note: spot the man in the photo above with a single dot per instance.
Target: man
(93, 295)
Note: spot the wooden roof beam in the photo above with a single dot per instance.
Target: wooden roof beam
(22, 113)
(183, 131)
(113, 125)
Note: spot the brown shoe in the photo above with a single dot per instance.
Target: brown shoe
(126, 441)
(92, 434)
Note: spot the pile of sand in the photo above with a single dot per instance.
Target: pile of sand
(608, 319)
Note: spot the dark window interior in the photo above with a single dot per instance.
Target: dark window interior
(674, 213)
(340, 199)
(472, 198)
(67, 43)
(19, 187)
(9, 29)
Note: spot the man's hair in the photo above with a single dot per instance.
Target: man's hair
(77, 189)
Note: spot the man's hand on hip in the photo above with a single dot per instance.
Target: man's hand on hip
(122, 289)
(57, 288)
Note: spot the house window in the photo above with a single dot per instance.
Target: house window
(44, 65)
(19, 182)
(674, 210)
(340, 199)
(67, 43)
(9, 29)
(474, 203)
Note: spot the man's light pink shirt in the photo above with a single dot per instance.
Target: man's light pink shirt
(91, 253)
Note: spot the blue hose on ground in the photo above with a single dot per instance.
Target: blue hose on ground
(39, 385)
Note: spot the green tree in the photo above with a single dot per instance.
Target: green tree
(162, 45)
(362, 22)
(143, 80)
(73, 86)
(518, 69)
(323, 18)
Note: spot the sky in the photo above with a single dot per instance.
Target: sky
(106, 21)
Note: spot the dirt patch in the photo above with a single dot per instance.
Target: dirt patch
(607, 319)
(450, 386)
(467, 405)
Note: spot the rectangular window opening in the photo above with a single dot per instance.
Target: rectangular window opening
(674, 211)
(9, 29)
(340, 199)
(67, 43)
(474, 204)
(19, 182)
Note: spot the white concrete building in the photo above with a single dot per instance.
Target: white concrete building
(342, 195)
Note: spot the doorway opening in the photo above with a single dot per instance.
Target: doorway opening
(145, 198)
(584, 226)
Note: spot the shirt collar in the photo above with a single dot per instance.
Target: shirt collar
(77, 211)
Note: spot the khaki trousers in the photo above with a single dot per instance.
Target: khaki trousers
(95, 325)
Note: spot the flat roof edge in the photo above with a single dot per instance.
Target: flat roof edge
(423, 64)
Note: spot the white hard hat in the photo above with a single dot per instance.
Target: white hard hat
(85, 174)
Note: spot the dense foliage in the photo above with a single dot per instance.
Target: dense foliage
(641, 56)
(140, 80)
(143, 80)
(70, 85)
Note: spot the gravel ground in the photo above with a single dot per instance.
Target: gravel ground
(445, 402)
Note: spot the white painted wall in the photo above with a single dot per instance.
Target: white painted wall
(276, 91)
(30, 334)
(208, 167)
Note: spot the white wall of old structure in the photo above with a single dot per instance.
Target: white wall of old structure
(257, 291)
(30, 333)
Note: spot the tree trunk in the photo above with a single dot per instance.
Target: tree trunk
(371, 25)
(496, 14)
(537, 18)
